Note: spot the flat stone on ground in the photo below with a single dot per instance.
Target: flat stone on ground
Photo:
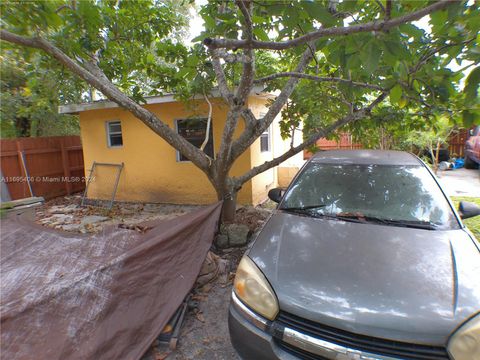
(59, 209)
(92, 219)
(221, 241)
(72, 227)
(237, 234)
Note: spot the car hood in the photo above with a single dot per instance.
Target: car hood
(390, 282)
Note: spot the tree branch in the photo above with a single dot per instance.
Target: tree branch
(246, 12)
(209, 122)
(250, 119)
(328, 32)
(246, 82)
(388, 10)
(424, 58)
(252, 132)
(350, 118)
(220, 75)
(94, 76)
(19, 40)
(244, 88)
(379, 3)
(317, 78)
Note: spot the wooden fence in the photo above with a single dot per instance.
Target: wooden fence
(456, 142)
(53, 166)
(344, 142)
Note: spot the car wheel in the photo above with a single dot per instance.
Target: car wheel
(470, 164)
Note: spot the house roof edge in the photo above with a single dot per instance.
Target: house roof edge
(107, 104)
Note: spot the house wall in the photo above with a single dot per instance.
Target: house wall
(282, 174)
(268, 179)
(152, 172)
(287, 170)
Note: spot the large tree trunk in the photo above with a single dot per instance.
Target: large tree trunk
(229, 207)
(228, 194)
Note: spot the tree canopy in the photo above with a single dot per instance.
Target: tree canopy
(333, 64)
(30, 94)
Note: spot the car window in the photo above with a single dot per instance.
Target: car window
(400, 193)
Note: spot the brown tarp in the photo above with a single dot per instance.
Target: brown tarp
(105, 296)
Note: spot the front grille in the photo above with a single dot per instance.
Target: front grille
(300, 353)
(365, 343)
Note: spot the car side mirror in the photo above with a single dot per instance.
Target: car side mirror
(468, 209)
(275, 194)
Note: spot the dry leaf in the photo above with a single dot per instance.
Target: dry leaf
(161, 356)
(200, 317)
(168, 328)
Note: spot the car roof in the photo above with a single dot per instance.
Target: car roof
(365, 157)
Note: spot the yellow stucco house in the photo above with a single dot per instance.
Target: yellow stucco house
(152, 170)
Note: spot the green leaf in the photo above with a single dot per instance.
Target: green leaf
(396, 49)
(371, 56)
(183, 72)
(258, 19)
(402, 102)
(209, 21)
(468, 118)
(411, 30)
(199, 38)
(439, 18)
(396, 94)
(471, 85)
(319, 12)
(416, 85)
(260, 34)
(352, 46)
(150, 58)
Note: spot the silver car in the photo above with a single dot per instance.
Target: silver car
(364, 258)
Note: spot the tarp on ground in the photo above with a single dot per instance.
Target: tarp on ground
(106, 296)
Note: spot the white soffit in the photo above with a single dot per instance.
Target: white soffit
(106, 104)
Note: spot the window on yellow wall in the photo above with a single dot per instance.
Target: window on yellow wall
(114, 134)
(194, 130)
(265, 145)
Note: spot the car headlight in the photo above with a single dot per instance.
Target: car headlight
(253, 289)
(465, 342)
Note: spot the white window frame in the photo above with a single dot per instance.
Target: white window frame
(267, 132)
(108, 132)
(177, 153)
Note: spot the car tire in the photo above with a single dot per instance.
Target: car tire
(470, 164)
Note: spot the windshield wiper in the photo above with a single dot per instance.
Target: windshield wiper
(357, 218)
(418, 224)
(303, 209)
(309, 207)
(360, 218)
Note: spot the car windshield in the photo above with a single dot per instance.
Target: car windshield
(393, 195)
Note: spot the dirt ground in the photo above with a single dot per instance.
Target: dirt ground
(65, 213)
(204, 334)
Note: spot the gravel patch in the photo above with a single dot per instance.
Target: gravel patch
(65, 213)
